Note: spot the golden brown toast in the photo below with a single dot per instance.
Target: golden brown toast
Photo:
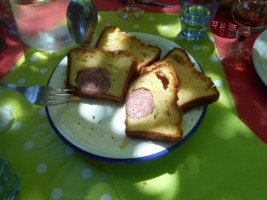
(100, 73)
(196, 89)
(112, 39)
(151, 106)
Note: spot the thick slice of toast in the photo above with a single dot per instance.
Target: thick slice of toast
(151, 106)
(196, 89)
(99, 73)
(112, 39)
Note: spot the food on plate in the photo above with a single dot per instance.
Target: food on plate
(158, 91)
(124, 143)
(196, 89)
(151, 106)
(112, 39)
(100, 73)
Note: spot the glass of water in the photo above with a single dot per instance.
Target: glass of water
(42, 24)
(196, 16)
(9, 181)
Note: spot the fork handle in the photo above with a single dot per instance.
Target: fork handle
(9, 85)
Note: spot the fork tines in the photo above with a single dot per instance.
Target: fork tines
(57, 96)
(54, 89)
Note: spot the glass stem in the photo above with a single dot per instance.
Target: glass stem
(242, 34)
(131, 3)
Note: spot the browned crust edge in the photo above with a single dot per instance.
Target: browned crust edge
(134, 38)
(157, 135)
(199, 102)
(79, 92)
(194, 102)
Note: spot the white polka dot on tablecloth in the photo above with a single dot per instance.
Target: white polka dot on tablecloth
(180, 37)
(13, 68)
(42, 112)
(214, 59)
(17, 126)
(218, 83)
(43, 71)
(165, 27)
(105, 197)
(196, 47)
(211, 38)
(136, 26)
(151, 18)
(69, 151)
(86, 173)
(28, 145)
(98, 16)
(56, 193)
(107, 24)
(33, 59)
(41, 168)
(21, 81)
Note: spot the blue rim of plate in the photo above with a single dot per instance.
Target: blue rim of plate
(130, 160)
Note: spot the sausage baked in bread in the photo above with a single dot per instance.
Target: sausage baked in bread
(151, 106)
(99, 73)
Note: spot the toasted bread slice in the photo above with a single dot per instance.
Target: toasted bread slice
(99, 73)
(151, 106)
(196, 89)
(112, 39)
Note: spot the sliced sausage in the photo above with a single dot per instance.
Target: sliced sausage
(94, 80)
(139, 103)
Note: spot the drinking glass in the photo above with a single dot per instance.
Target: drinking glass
(42, 24)
(130, 11)
(196, 16)
(250, 15)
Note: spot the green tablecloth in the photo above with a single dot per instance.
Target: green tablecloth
(223, 160)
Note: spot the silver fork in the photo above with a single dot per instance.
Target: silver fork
(42, 95)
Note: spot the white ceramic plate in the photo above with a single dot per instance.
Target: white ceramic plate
(259, 56)
(96, 127)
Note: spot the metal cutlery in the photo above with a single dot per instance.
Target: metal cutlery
(151, 2)
(43, 95)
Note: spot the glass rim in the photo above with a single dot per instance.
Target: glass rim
(207, 3)
(38, 2)
(195, 15)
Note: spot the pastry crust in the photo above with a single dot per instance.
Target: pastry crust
(120, 65)
(111, 39)
(196, 89)
(163, 122)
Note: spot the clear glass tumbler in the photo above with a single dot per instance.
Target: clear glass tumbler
(42, 24)
(9, 181)
(196, 16)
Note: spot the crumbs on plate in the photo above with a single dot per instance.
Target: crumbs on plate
(124, 143)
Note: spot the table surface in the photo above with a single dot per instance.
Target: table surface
(224, 159)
